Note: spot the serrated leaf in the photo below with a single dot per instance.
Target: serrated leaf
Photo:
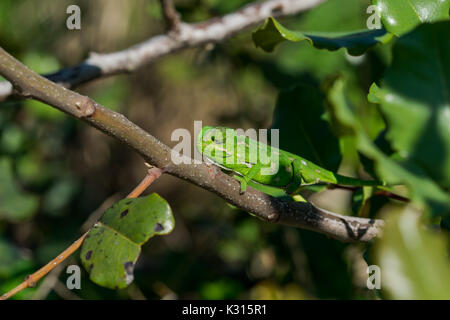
(15, 204)
(401, 16)
(273, 33)
(424, 191)
(413, 261)
(416, 100)
(113, 245)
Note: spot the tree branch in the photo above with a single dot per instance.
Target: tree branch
(171, 15)
(300, 214)
(189, 35)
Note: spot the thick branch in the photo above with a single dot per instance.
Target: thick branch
(187, 35)
(209, 177)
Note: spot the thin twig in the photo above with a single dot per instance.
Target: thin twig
(171, 15)
(152, 175)
(32, 279)
(49, 282)
(391, 195)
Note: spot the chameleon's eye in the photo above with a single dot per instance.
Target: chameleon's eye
(217, 140)
(214, 136)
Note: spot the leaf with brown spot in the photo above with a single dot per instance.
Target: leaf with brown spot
(88, 255)
(110, 252)
(124, 213)
(159, 227)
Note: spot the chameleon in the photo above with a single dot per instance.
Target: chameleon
(243, 155)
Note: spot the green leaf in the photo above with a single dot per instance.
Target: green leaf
(416, 100)
(424, 191)
(113, 245)
(299, 114)
(272, 33)
(15, 204)
(413, 261)
(331, 15)
(400, 16)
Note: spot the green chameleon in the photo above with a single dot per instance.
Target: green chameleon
(264, 164)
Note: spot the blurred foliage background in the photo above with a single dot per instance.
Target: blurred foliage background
(56, 171)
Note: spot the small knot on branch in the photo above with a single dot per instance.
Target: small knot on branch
(85, 106)
(30, 282)
(273, 217)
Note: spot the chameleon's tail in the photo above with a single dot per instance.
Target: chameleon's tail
(348, 181)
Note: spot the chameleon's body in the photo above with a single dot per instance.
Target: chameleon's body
(244, 156)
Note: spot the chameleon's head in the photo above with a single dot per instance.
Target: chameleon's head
(212, 142)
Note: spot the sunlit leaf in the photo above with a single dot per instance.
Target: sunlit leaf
(424, 191)
(400, 16)
(272, 33)
(416, 100)
(331, 15)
